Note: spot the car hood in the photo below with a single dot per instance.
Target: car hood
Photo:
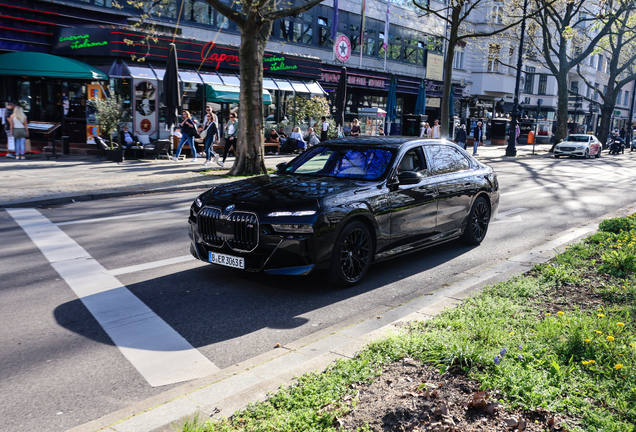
(281, 191)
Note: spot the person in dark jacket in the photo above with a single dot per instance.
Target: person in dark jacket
(460, 137)
(188, 132)
(478, 134)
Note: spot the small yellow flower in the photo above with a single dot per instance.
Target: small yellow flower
(559, 313)
(610, 338)
(585, 363)
(587, 341)
(598, 332)
(512, 333)
(548, 314)
(600, 315)
(620, 324)
(592, 361)
(624, 287)
(632, 345)
(618, 366)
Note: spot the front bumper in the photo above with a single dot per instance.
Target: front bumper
(577, 153)
(276, 253)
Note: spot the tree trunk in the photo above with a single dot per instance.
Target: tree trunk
(448, 85)
(606, 119)
(249, 154)
(562, 109)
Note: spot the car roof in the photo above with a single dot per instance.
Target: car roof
(394, 142)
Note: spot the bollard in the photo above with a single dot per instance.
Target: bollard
(66, 145)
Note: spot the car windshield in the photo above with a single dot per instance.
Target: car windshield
(342, 162)
(578, 138)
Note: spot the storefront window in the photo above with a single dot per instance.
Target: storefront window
(24, 95)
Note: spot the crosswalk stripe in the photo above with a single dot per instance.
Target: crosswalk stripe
(156, 350)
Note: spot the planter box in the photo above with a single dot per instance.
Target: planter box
(114, 155)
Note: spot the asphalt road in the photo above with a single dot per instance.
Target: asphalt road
(60, 368)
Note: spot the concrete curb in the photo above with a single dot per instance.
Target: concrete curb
(221, 394)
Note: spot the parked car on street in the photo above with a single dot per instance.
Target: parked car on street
(344, 204)
(579, 145)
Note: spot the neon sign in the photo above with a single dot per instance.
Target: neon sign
(81, 41)
(278, 64)
(217, 58)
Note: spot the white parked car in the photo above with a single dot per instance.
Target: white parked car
(579, 145)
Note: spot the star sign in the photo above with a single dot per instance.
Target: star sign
(343, 48)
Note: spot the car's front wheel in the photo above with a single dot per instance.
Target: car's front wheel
(351, 256)
(587, 154)
(478, 221)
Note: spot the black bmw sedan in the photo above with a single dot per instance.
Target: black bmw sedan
(344, 204)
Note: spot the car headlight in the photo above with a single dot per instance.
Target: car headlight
(198, 202)
(580, 147)
(293, 228)
(296, 213)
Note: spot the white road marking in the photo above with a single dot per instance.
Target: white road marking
(580, 181)
(503, 217)
(151, 265)
(156, 350)
(135, 215)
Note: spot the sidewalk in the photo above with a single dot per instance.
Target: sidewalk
(38, 181)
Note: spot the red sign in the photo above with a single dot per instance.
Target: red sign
(342, 48)
(218, 58)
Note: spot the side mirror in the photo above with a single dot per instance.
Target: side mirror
(281, 167)
(409, 178)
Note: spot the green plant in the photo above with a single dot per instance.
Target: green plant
(619, 224)
(110, 111)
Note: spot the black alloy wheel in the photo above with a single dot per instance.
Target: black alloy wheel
(478, 221)
(352, 255)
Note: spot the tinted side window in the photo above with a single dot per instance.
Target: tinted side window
(447, 159)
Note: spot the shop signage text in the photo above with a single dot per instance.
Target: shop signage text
(216, 57)
(278, 64)
(354, 80)
(82, 41)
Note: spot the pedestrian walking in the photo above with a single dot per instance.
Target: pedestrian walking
(188, 132)
(460, 137)
(324, 129)
(211, 136)
(478, 134)
(19, 129)
(437, 130)
(231, 131)
(355, 128)
(426, 131)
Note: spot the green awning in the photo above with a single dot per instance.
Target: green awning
(229, 94)
(35, 64)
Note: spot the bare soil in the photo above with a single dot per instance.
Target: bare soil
(410, 396)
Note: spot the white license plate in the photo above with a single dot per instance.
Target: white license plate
(226, 260)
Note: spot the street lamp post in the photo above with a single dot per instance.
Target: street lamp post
(511, 150)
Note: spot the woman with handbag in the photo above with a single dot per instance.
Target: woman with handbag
(188, 133)
(211, 131)
(19, 128)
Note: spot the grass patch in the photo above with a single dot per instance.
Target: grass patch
(560, 338)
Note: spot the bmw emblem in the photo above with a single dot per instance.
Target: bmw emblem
(229, 208)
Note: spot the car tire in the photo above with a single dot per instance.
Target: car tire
(478, 220)
(557, 156)
(587, 154)
(351, 256)
(598, 153)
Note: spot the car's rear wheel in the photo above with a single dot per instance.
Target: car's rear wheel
(598, 153)
(478, 221)
(352, 255)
